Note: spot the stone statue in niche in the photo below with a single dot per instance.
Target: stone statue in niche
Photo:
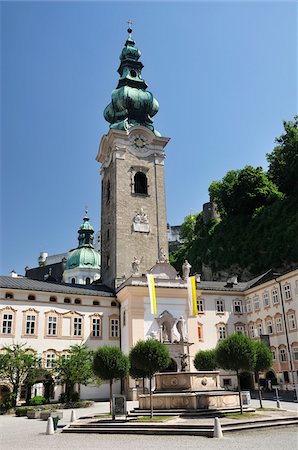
(166, 332)
(162, 256)
(140, 222)
(135, 265)
(186, 269)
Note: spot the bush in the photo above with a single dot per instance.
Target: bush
(22, 411)
(37, 400)
(7, 403)
(63, 398)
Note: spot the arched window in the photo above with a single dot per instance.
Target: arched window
(141, 183)
(31, 297)
(53, 299)
(87, 280)
(77, 301)
(8, 295)
(108, 190)
(113, 304)
(73, 280)
(67, 300)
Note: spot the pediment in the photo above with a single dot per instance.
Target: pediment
(164, 271)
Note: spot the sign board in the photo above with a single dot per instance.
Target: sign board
(119, 406)
(246, 399)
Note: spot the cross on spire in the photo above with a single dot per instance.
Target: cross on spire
(129, 30)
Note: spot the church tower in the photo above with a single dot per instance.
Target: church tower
(133, 208)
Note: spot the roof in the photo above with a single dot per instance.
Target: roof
(27, 284)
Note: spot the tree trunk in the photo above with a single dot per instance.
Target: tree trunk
(111, 395)
(239, 392)
(151, 399)
(259, 390)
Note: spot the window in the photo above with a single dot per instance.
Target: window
(269, 326)
(87, 280)
(67, 300)
(96, 303)
(31, 297)
(108, 235)
(227, 382)
(251, 330)
(239, 328)
(256, 303)
(292, 321)
(53, 299)
(77, 301)
(286, 377)
(237, 306)
(140, 183)
(73, 281)
(248, 305)
(77, 326)
(220, 307)
(52, 326)
(113, 304)
(282, 355)
(259, 328)
(96, 327)
(114, 327)
(200, 305)
(200, 331)
(108, 261)
(8, 295)
(278, 325)
(50, 358)
(7, 324)
(295, 353)
(124, 318)
(273, 352)
(108, 191)
(287, 291)
(30, 324)
(275, 298)
(266, 300)
(221, 332)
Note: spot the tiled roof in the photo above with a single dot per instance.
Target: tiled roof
(33, 285)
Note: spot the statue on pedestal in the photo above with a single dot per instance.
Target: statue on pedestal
(136, 263)
(186, 269)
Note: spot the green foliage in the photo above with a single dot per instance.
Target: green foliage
(75, 368)
(110, 363)
(283, 160)
(149, 356)
(15, 364)
(37, 400)
(242, 191)
(7, 402)
(136, 373)
(263, 357)
(205, 360)
(258, 224)
(236, 352)
(21, 411)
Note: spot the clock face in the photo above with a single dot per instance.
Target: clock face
(140, 142)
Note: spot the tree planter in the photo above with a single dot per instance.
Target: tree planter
(33, 414)
(46, 414)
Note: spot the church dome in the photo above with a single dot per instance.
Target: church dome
(83, 257)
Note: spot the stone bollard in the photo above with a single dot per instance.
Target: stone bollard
(73, 415)
(217, 431)
(50, 426)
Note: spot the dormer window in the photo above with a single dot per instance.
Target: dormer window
(77, 301)
(31, 297)
(8, 295)
(53, 299)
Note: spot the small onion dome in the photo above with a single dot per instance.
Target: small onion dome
(84, 257)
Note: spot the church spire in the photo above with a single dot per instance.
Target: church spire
(86, 233)
(131, 103)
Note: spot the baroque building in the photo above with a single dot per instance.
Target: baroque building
(74, 300)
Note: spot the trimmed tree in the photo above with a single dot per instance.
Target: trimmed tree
(205, 360)
(236, 352)
(136, 374)
(263, 363)
(150, 356)
(74, 368)
(110, 364)
(16, 362)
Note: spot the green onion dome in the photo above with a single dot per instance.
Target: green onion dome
(84, 256)
(131, 103)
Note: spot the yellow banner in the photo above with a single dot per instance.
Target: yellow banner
(192, 295)
(151, 286)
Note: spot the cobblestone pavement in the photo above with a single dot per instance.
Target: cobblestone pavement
(20, 433)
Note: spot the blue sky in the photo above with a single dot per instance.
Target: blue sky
(224, 74)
